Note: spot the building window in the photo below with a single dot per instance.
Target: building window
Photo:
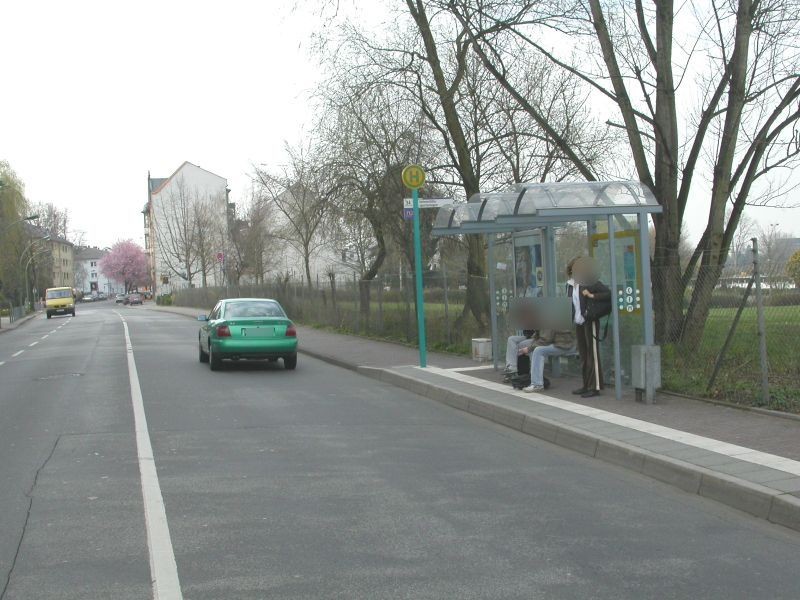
(94, 275)
(93, 263)
(147, 241)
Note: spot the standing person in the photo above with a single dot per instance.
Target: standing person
(591, 300)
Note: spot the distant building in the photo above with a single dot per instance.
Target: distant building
(60, 255)
(186, 231)
(88, 277)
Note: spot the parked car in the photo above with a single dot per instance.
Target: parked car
(120, 299)
(87, 297)
(249, 329)
(134, 299)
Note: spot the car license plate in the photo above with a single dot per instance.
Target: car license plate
(258, 332)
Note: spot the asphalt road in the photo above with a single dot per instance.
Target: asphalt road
(320, 483)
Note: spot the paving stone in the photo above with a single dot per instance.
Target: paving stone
(766, 475)
(791, 484)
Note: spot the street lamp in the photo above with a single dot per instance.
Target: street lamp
(31, 243)
(22, 255)
(18, 221)
(41, 252)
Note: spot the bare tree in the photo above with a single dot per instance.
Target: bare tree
(484, 140)
(636, 58)
(176, 232)
(301, 194)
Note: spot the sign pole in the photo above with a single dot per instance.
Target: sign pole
(414, 178)
(423, 345)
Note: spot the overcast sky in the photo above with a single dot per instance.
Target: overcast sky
(95, 94)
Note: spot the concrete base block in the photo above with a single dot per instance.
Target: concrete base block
(785, 510)
(576, 440)
(621, 455)
(480, 408)
(748, 497)
(540, 429)
(508, 417)
(673, 472)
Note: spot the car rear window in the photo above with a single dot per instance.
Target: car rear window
(253, 308)
(51, 294)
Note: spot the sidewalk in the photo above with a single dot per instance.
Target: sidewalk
(6, 325)
(747, 460)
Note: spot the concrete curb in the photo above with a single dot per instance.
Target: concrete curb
(756, 500)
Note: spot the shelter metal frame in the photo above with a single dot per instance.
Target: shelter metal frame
(543, 205)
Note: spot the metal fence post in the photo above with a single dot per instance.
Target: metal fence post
(446, 304)
(762, 332)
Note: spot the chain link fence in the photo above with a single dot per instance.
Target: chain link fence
(726, 364)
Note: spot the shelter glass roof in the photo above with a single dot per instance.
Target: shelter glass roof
(570, 200)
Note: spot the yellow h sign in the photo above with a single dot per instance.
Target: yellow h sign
(413, 177)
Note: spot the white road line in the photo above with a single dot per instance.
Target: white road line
(45, 336)
(764, 459)
(53, 331)
(32, 344)
(16, 354)
(2, 362)
(163, 569)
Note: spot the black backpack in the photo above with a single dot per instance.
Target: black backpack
(595, 309)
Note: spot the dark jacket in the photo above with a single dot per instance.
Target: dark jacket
(602, 296)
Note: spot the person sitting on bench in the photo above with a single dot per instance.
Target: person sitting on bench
(522, 313)
(546, 343)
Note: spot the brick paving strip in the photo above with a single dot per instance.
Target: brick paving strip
(760, 478)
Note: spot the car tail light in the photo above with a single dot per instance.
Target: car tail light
(291, 331)
(223, 331)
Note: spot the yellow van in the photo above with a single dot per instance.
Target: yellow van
(60, 300)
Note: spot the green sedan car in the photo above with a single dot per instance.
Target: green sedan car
(247, 329)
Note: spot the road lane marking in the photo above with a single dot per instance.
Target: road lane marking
(16, 354)
(163, 568)
(45, 336)
(32, 344)
(53, 331)
(2, 362)
(773, 461)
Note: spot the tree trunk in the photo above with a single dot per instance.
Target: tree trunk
(477, 297)
(668, 284)
(700, 305)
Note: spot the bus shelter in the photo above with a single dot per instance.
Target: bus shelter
(533, 229)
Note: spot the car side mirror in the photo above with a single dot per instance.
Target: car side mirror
(202, 317)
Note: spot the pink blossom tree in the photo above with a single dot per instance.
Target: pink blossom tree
(126, 263)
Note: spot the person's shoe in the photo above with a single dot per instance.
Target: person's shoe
(508, 376)
(590, 393)
(533, 388)
(579, 391)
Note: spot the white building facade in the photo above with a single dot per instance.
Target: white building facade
(88, 277)
(186, 221)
